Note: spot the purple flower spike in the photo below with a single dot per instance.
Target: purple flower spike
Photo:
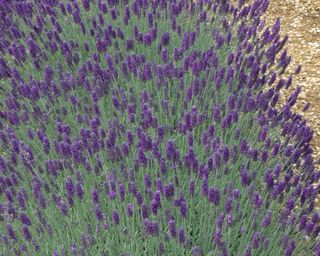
(214, 195)
(62, 207)
(315, 217)
(11, 232)
(191, 188)
(154, 207)
(183, 209)
(154, 228)
(130, 209)
(217, 237)
(196, 251)
(26, 233)
(80, 191)
(95, 196)
(69, 187)
(298, 69)
(317, 249)
(247, 251)
(204, 188)
(147, 181)
(256, 240)
(228, 205)
(257, 200)
(181, 235)
(98, 213)
(290, 248)
(86, 4)
(115, 217)
(165, 38)
(267, 219)
(25, 219)
(236, 193)
(164, 55)
(169, 190)
(172, 227)
(144, 211)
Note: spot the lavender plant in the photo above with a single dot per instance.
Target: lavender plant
(151, 128)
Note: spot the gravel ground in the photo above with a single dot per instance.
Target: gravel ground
(300, 19)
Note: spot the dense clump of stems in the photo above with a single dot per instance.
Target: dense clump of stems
(151, 128)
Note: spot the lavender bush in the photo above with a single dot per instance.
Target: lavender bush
(150, 128)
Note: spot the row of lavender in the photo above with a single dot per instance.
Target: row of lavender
(150, 128)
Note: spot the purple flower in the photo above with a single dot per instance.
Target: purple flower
(95, 196)
(257, 200)
(25, 219)
(98, 213)
(172, 227)
(165, 55)
(183, 209)
(214, 195)
(290, 248)
(62, 207)
(303, 221)
(236, 193)
(317, 249)
(171, 151)
(115, 217)
(309, 227)
(228, 205)
(169, 190)
(112, 195)
(315, 218)
(191, 188)
(247, 251)
(26, 233)
(147, 39)
(147, 181)
(181, 235)
(11, 232)
(165, 38)
(255, 242)
(86, 4)
(144, 211)
(150, 19)
(204, 188)
(267, 219)
(9, 195)
(298, 69)
(196, 251)
(217, 237)
(69, 187)
(154, 207)
(230, 219)
(121, 192)
(130, 209)
(161, 249)
(157, 197)
(139, 198)
(113, 13)
(79, 190)
(159, 185)
(245, 179)
(153, 228)
(216, 113)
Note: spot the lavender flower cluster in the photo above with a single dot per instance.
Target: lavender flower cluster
(151, 128)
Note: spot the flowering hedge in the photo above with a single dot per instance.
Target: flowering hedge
(150, 128)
